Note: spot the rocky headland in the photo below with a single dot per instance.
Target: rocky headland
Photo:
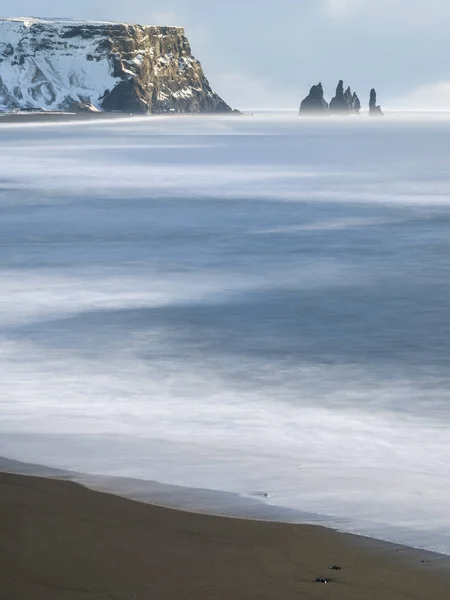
(63, 65)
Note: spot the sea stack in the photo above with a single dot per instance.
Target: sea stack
(374, 109)
(356, 103)
(349, 97)
(341, 104)
(353, 101)
(314, 103)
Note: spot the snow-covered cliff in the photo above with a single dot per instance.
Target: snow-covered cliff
(71, 65)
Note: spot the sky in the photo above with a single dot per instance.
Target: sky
(268, 53)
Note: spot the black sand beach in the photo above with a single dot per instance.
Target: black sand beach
(60, 541)
(57, 117)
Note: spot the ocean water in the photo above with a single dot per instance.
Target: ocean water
(255, 304)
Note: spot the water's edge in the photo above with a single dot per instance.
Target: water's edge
(221, 504)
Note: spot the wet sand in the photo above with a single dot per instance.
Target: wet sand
(61, 541)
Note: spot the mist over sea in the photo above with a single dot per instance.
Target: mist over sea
(245, 304)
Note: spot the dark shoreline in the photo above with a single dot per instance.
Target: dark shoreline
(64, 117)
(60, 540)
(49, 117)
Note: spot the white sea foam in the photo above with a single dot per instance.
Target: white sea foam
(202, 302)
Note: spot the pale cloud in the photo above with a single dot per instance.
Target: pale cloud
(404, 11)
(435, 96)
(248, 92)
(164, 18)
(340, 8)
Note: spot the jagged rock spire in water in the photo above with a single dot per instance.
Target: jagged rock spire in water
(374, 109)
(340, 103)
(356, 104)
(348, 96)
(353, 101)
(344, 102)
(314, 103)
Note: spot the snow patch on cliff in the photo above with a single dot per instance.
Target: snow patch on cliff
(49, 71)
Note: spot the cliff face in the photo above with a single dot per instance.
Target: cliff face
(68, 65)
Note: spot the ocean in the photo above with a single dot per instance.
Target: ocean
(255, 305)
